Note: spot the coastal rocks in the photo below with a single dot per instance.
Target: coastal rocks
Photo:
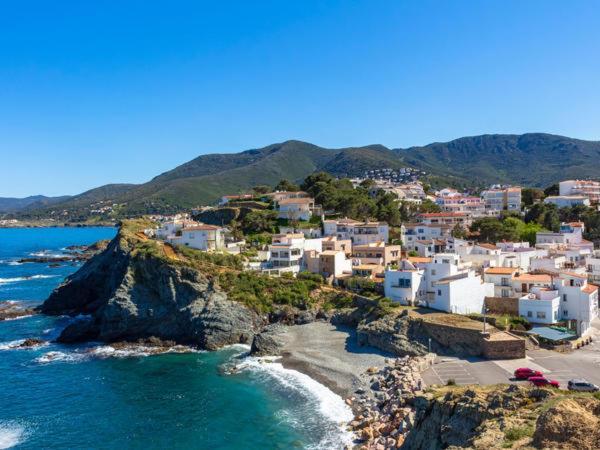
(383, 419)
(73, 253)
(130, 295)
(11, 310)
(31, 342)
(269, 342)
(393, 334)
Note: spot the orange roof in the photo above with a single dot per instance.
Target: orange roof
(590, 288)
(501, 270)
(576, 224)
(574, 274)
(540, 278)
(419, 259)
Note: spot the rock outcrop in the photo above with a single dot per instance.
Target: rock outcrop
(127, 294)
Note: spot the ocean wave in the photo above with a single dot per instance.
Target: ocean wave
(56, 356)
(11, 434)
(18, 318)
(330, 406)
(16, 344)
(26, 278)
(108, 351)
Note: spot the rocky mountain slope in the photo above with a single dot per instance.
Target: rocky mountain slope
(468, 161)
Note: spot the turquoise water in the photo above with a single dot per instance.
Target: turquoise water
(89, 396)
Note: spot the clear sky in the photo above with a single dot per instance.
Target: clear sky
(94, 92)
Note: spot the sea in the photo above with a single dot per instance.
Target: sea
(92, 396)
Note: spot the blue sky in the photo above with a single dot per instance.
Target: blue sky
(100, 92)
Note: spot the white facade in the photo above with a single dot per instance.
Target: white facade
(541, 305)
(411, 233)
(295, 209)
(502, 199)
(359, 233)
(587, 188)
(443, 284)
(201, 237)
(567, 201)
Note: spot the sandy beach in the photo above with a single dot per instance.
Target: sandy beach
(330, 355)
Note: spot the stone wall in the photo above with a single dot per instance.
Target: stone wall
(503, 345)
(502, 305)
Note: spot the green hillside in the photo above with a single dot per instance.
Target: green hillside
(530, 160)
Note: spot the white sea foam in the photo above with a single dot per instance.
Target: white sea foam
(11, 434)
(18, 318)
(56, 356)
(11, 344)
(27, 278)
(330, 405)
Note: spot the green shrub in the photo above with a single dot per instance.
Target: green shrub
(451, 382)
(317, 278)
(517, 433)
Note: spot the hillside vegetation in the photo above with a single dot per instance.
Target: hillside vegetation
(529, 160)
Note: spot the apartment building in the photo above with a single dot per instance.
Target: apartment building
(410, 233)
(502, 198)
(586, 188)
(358, 232)
(376, 253)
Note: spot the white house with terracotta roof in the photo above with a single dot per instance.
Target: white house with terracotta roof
(570, 234)
(172, 228)
(566, 297)
(592, 265)
(231, 198)
(378, 253)
(501, 278)
(329, 263)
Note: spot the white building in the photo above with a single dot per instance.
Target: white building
(295, 208)
(569, 235)
(201, 237)
(502, 199)
(592, 264)
(410, 233)
(541, 305)
(586, 188)
(359, 233)
(444, 284)
(501, 278)
(567, 201)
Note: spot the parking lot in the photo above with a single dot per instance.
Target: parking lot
(582, 363)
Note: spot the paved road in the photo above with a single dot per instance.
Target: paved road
(582, 363)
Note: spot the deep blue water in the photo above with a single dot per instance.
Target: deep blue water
(88, 396)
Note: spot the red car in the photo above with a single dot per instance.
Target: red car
(525, 373)
(543, 381)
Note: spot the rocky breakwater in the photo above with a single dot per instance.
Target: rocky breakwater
(384, 413)
(132, 291)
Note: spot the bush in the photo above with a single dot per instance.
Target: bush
(317, 278)
(451, 382)
(339, 301)
(517, 433)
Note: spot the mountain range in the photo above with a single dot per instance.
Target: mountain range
(533, 159)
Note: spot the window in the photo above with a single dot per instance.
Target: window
(446, 261)
(432, 271)
(529, 314)
(439, 292)
(541, 315)
(564, 297)
(565, 313)
(505, 293)
(404, 282)
(191, 235)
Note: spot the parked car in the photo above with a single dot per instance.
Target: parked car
(543, 381)
(582, 386)
(524, 373)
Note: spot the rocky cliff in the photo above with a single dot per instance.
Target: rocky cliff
(128, 292)
(497, 417)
